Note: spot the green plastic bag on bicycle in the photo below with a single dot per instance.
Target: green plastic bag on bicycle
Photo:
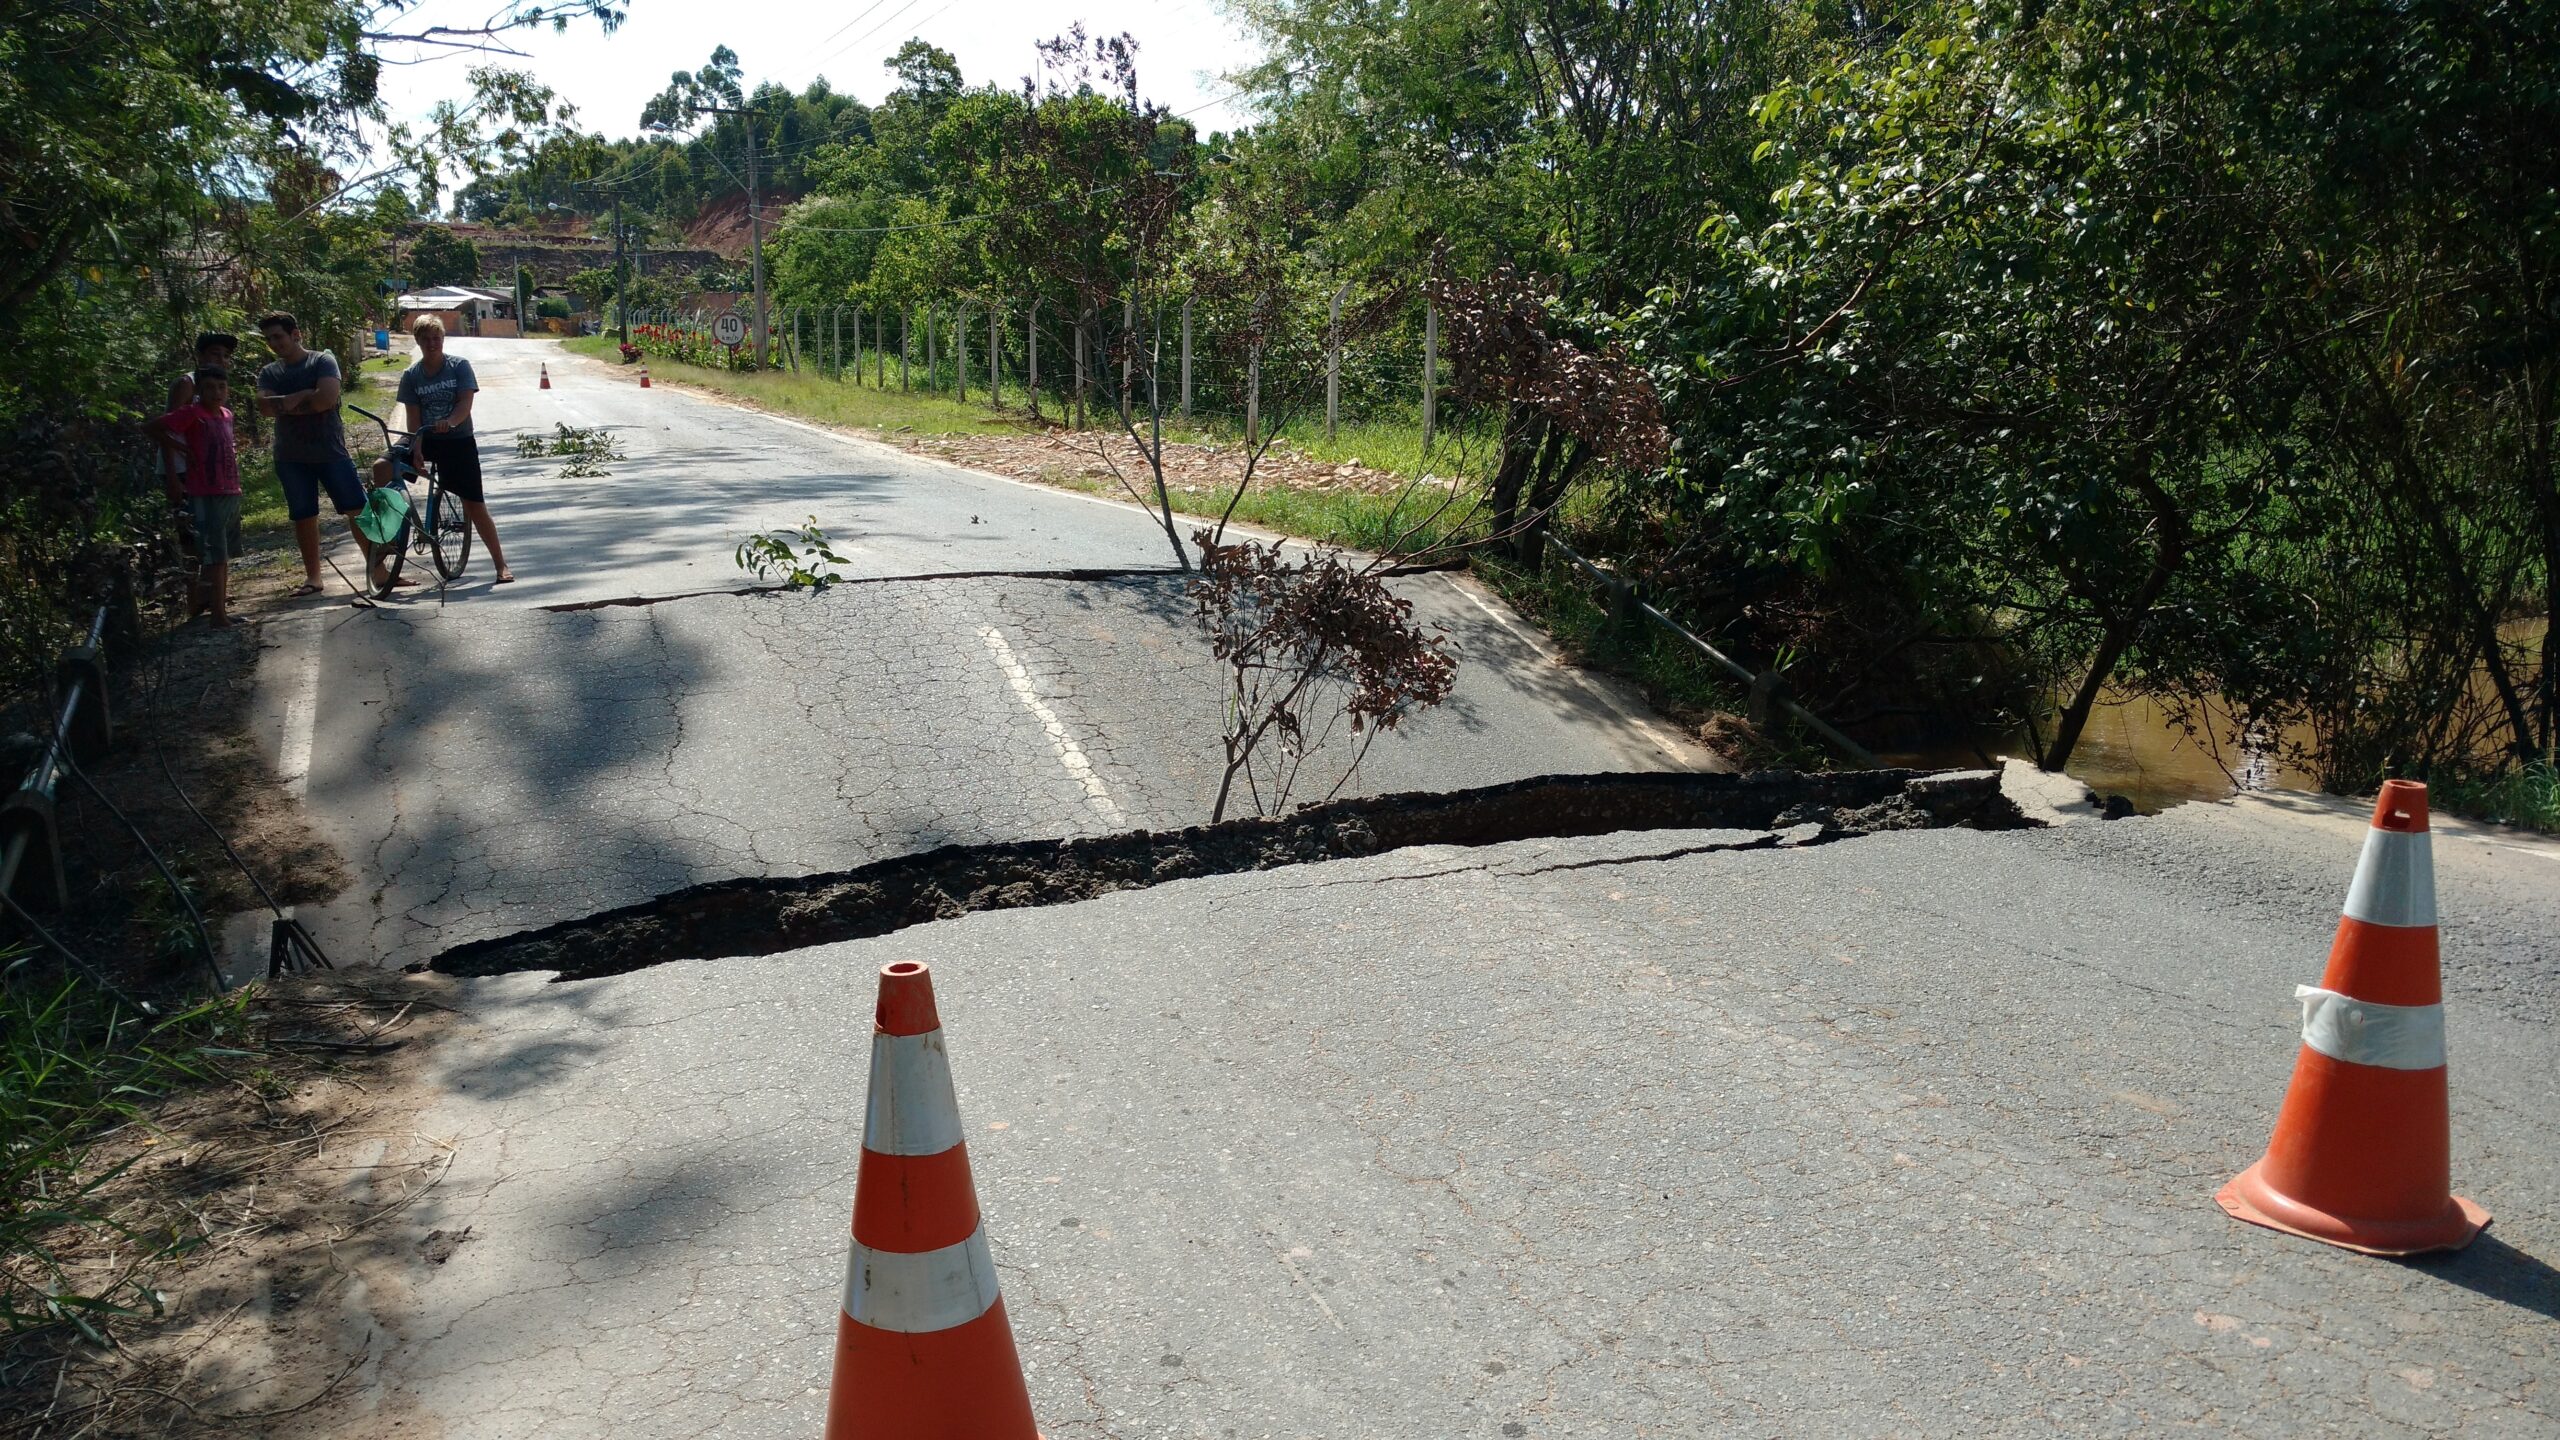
(385, 512)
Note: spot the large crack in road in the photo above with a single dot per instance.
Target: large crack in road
(767, 915)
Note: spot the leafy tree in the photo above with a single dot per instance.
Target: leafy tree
(440, 257)
(1311, 645)
(715, 84)
(594, 287)
(925, 72)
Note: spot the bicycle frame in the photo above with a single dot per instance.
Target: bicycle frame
(402, 470)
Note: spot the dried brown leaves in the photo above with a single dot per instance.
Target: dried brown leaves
(1503, 352)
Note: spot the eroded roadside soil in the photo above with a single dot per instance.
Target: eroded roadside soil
(765, 916)
(257, 1228)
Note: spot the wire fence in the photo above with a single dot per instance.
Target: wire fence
(1029, 357)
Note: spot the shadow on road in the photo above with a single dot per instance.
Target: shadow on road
(2490, 1266)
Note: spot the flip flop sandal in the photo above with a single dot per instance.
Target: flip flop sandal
(305, 588)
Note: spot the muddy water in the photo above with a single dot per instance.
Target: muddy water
(2133, 749)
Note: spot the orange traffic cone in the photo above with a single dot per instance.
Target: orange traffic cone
(546, 377)
(644, 374)
(923, 1349)
(2362, 1155)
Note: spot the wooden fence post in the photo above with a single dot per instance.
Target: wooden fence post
(1333, 364)
(1430, 372)
(1128, 343)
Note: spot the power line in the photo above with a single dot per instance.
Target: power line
(849, 24)
(884, 24)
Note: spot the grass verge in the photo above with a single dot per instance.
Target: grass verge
(165, 1174)
(827, 402)
(1351, 518)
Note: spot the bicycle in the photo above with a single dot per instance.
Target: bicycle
(446, 530)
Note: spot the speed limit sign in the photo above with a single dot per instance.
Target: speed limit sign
(730, 329)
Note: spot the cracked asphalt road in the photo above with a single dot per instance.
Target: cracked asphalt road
(490, 764)
(1914, 1134)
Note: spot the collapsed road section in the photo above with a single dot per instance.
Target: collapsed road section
(765, 915)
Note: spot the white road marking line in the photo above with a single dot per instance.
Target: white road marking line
(1675, 754)
(1078, 765)
(301, 711)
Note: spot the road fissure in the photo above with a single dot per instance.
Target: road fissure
(767, 915)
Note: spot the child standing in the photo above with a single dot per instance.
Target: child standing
(200, 434)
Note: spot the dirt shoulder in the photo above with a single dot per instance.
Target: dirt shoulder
(234, 1224)
(185, 774)
(1088, 460)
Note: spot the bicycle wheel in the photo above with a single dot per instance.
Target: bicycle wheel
(448, 529)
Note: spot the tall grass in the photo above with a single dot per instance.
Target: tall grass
(2527, 797)
(75, 1067)
(1674, 675)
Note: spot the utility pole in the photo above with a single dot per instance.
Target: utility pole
(755, 217)
(621, 271)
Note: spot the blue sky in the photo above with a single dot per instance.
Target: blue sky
(1185, 46)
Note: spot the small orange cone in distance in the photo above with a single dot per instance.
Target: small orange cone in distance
(546, 376)
(923, 1349)
(2362, 1155)
(644, 374)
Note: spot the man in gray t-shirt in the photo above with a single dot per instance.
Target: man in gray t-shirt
(438, 395)
(300, 388)
(311, 435)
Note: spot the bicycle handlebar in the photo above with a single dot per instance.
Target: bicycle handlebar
(387, 431)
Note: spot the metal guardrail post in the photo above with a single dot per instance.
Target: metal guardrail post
(30, 838)
(1767, 690)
